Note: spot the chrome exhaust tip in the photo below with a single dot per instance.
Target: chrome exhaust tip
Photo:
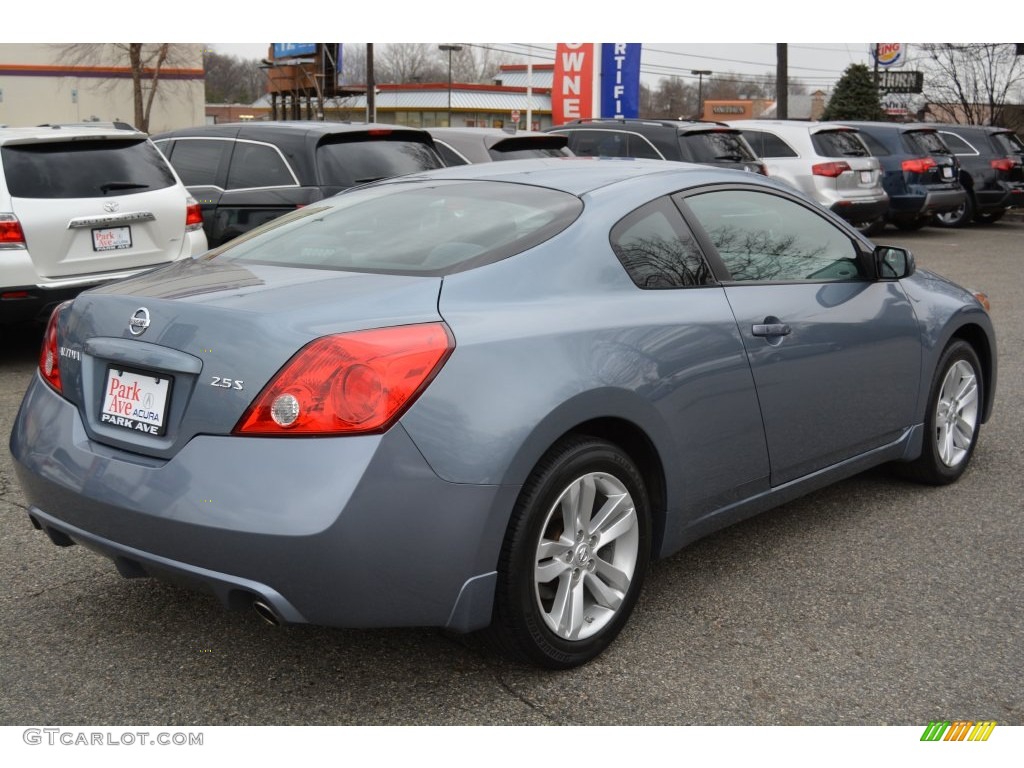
(266, 613)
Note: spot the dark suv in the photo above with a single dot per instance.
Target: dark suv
(245, 174)
(690, 141)
(991, 170)
(919, 172)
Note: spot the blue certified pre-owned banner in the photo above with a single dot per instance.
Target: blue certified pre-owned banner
(620, 79)
(291, 50)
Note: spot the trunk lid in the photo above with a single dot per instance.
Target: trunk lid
(155, 360)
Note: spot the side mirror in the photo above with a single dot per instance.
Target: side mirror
(892, 263)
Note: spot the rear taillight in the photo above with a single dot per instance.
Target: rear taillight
(49, 355)
(352, 383)
(193, 215)
(919, 165)
(11, 233)
(1003, 164)
(830, 169)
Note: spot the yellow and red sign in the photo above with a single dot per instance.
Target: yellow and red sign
(890, 54)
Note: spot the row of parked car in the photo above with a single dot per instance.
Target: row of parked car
(132, 207)
(870, 173)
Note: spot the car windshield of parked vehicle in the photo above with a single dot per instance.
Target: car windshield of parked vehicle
(528, 147)
(761, 236)
(839, 144)
(84, 168)
(410, 228)
(349, 161)
(927, 143)
(711, 146)
(1009, 142)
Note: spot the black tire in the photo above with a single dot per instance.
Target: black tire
(960, 217)
(957, 388)
(870, 228)
(912, 225)
(990, 217)
(601, 579)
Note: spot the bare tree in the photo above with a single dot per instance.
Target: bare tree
(145, 62)
(969, 83)
(410, 63)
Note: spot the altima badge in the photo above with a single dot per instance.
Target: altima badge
(139, 322)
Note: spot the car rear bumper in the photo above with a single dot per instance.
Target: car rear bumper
(926, 204)
(857, 211)
(352, 532)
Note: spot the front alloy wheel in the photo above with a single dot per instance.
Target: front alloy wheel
(953, 420)
(574, 557)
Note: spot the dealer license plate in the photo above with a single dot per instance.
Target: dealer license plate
(112, 239)
(135, 401)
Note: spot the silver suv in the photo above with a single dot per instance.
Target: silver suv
(84, 205)
(827, 161)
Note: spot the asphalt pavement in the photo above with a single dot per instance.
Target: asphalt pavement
(873, 602)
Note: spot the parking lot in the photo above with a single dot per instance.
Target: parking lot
(872, 602)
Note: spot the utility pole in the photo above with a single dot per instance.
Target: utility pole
(371, 87)
(782, 81)
(700, 90)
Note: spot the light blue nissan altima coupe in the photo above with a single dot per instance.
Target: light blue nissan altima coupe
(487, 396)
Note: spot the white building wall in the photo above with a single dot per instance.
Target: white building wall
(42, 83)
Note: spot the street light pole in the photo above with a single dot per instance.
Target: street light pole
(450, 48)
(700, 90)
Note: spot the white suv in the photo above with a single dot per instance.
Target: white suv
(827, 161)
(84, 205)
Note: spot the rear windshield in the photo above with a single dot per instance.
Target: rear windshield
(361, 159)
(926, 143)
(85, 168)
(528, 147)
(431, 228)
(1009, 143)
(839, 144)
(716, 146)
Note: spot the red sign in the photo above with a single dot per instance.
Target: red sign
(572, 90)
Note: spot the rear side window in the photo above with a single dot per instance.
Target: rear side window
(449, 155)
(258, 165)
(197, 160)
(878, 149)
(839, 144)
(85, 168)
(958, 145)
(767, 144)
(658, 250)
(349, 162)
(716, 145)
(611, 144)
(410, 228)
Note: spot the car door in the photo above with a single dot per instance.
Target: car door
(835, 353)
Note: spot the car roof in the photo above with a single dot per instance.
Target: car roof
(284, 128)
(634, 122)
(580, 175)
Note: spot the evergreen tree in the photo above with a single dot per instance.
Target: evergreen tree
(855, 97)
